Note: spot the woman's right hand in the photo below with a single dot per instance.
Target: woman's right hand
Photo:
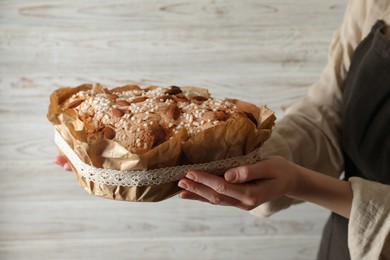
(247, 187)
(63, 162)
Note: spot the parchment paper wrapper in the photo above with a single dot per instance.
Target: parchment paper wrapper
(235, 138)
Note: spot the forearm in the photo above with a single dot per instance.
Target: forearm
(331, 193)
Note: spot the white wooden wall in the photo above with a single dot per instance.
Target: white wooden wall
(265, 52)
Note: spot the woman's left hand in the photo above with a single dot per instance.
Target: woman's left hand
(63, 162)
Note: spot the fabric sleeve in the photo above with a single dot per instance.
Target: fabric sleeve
(369, 223)
(310, 132)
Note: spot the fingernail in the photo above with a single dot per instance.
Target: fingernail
(230, 176)
(67, 167)
(182, 185)
(56, 161)
(190, 176)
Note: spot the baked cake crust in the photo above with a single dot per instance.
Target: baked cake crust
(141, 119)
(129, 129)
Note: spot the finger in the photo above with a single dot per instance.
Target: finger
(60, 160)
(206, 193)
(246, 173)
(200, 190)
(216, 183)
(250, 193)
(67, 167)
(237, 193)
(191, 196)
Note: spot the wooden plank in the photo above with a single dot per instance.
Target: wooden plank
(286, 58)
(170, 39)
(30, 95)
(151, 50)
(27, 140)
(164, 248)
(154, 15)
(82, 216)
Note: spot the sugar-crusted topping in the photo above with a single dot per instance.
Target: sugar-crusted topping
(144, 118)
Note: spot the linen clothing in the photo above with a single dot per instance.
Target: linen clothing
(310, 135)
(365, 128)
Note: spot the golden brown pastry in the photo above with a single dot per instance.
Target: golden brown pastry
(141, 119)
(136, 135)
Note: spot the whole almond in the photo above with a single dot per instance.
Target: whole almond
(173, 91)
(173, 112)
(113, 97)
(200, 98)
(122, 103)
(75, 103)
(139, 99)
(221, 116)
(180, 98)
(117, 112)
(109, 133)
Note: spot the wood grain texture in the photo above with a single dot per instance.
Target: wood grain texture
(81, 216)
(265, 52)
(165, 248)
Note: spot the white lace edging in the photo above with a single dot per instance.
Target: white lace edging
(147, 177)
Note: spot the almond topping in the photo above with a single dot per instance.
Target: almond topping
(221, 116)
(200, 98)
(75, 103)
(180, 98)
(109, 133)
(173, 112)
(139, 99)
(117, 112)
(122, 103)
(112, 97)
(173, 91)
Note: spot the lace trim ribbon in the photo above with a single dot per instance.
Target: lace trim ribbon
(147, 177)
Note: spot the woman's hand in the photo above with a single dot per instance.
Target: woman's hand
(63, 162)
(247, 187)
